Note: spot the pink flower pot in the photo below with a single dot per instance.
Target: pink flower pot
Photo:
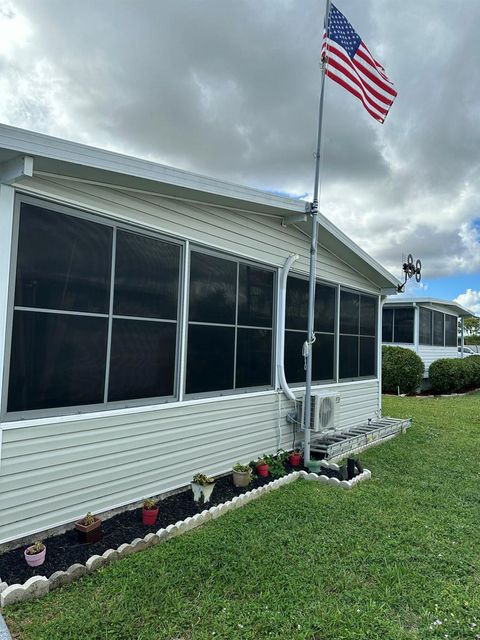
(35, 560)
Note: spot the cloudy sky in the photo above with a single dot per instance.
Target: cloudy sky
(229, 88)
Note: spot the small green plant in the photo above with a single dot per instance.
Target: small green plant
(37, 547)
(242, 468)
(276, 464)
(89, 519)
(202, 479)
(149, 504)
(260, 462)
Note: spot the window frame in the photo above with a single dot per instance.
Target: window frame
(375, 336)
(318, 281)
(432, 311)
(114, 224)
(394, 316)
(217, 253)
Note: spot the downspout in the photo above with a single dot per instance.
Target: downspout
(280, 351)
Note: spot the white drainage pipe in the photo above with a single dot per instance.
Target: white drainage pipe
(280, 352)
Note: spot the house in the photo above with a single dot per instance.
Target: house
(427, 325)
(142, 317)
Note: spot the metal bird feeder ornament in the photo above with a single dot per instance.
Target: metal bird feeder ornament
(410, 269)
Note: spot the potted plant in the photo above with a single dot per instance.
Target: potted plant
(89, 529)
(242, 474)
(149, 512)
(262, 467)
(202, 487)
(35, 554)
(295, 458)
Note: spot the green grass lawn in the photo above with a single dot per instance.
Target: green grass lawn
(397, 557)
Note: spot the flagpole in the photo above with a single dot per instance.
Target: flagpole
(313, 262)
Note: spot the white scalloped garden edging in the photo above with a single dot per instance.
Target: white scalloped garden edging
(38, 586)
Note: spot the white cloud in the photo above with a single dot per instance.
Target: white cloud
(471, 300)
(231, 90)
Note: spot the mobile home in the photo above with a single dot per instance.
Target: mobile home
(429, 326)
(151, 326)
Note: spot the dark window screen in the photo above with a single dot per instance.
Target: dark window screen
(323, 357)
(368, 313)
(368, 354)
(296, 304)
(387, 325)
(213, 364)
(255, 296)
(438, 329)
(348, 357)
(146, 277)
(63, 262)
(142, 363)
(213, 289)
(210, 358)
(403, 326)
(325, 308)
(254, 358)
(425, 336)
(349, 312)
(451, 339)
(58, 360)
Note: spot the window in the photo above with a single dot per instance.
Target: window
(296, 319)
(438, 329)
(230, 328)
(398, 325)
(451, 333)
(357, 345)
(387, 325)
(425, 333)
(95, 313)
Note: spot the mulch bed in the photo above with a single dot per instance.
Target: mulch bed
(64, 549)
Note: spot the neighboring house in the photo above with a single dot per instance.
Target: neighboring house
(141, 327)
(427, 325)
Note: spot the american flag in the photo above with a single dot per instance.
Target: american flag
(349, 62)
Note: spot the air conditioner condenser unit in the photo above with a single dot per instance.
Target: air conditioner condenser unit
(322, 413)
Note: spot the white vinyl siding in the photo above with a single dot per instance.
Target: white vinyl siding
(55, 470)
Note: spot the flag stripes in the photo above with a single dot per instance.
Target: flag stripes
(349, 63)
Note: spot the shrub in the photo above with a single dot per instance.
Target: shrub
(450, 375)
(472, 370)
(401, 369)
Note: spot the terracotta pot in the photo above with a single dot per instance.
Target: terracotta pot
(295, 459)
(241, 478)
(262, 470)
(36, 559)
(89, 533)
(149, 516)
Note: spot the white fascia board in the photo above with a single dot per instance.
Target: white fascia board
(55, 154)
(448, 305)
(79, 161)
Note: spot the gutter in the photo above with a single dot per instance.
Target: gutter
(280, 351)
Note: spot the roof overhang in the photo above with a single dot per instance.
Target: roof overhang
(25, 153)
(449, 306)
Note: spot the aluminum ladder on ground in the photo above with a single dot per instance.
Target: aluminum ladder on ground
(345, 442)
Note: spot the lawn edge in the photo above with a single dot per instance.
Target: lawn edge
(38, 586)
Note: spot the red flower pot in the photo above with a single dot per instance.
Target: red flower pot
(149, 516)
(262, 470)
(295, 459)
